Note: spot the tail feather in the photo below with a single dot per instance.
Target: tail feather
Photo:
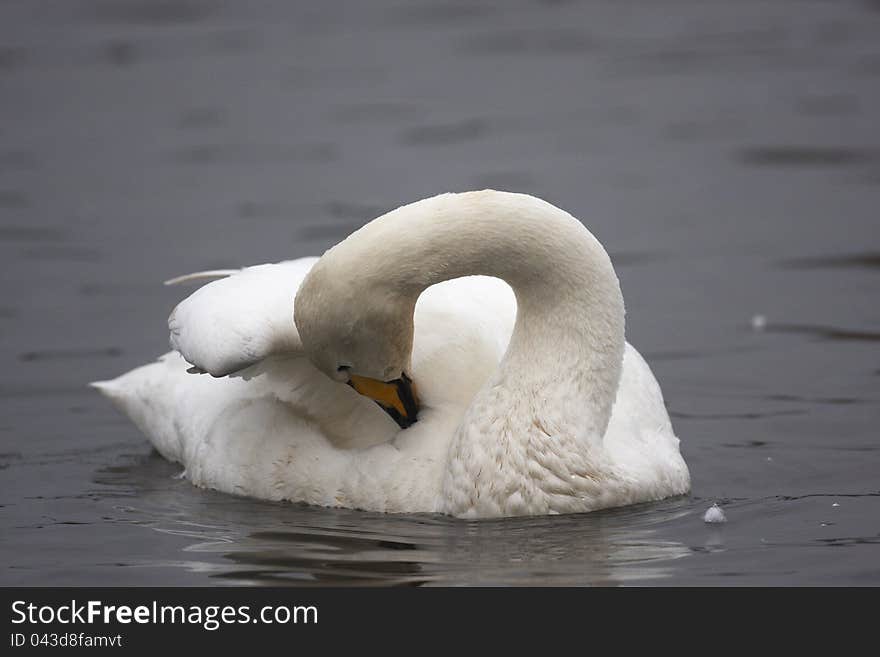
(149, 395)
(106, 388)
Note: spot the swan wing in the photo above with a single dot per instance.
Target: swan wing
(239, 320)
(279, 429)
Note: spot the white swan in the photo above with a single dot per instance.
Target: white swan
(531, 402)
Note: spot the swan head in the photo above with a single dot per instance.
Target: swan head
(361, 334)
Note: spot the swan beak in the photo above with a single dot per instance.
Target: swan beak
(397, 398)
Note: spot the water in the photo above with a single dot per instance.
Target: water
(727, 154)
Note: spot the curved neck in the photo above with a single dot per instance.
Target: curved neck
(570, 313)
(558, 379)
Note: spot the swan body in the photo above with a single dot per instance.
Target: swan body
(503, 309)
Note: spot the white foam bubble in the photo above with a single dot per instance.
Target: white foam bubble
(714, 514)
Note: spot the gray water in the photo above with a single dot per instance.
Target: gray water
(726, 153)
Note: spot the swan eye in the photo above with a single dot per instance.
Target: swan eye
(343, 368)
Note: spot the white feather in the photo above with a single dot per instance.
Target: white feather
(239, 320)
(201, 275)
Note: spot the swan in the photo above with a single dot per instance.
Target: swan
(463, 354)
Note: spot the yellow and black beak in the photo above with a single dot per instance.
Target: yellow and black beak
(397, 398)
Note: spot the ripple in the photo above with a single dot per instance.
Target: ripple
(258, 543)
(348, 210)
(252, 153)
(200, 117)
(434, 14)
(629, 258)
(31, 234)
(17, 160)
(748, 415)
(512, 180)
(12, 58)
(792, 498)
(109, 289)
(525, 42)
(448, 133)
(863, 260)
(39, 392)
(119, 53)
(672, 355)
(829, 105)
(825, 332)
(836, 401)
(7, 458)
(234, 41)
(13, 199)
(385, 111)
(69, 354)
(850, 541)
(690, 130)
(708, 52)
(749, 444)
(347, 217)
(64, 252)
(151, 12)
(804, 156)
(257, 210)
(326, 231)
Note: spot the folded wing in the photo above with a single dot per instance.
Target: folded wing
(237, 321)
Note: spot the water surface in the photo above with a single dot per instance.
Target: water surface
(727, 155)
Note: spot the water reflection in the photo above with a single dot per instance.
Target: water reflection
(243, 541)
